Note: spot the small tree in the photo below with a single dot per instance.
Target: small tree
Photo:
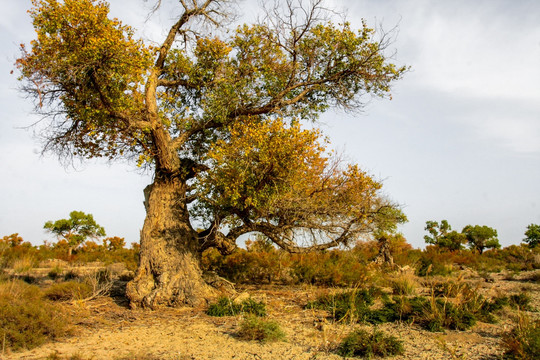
(76, 229)
(481, 237)
(443, 237)
(532, 235)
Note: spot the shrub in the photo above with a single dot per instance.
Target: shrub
(450, 288)
(23, 264)
(441, 314)
(523, 342)
(227, 307)
(26, 319)
(55, 272)
(428, 266)
(69, 290)
(353, 305)
(432, 313)
(363, 344)
(520, 301)
(254, 328)
(404, 284)
(250, 306)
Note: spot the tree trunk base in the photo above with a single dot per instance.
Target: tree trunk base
(222, 285)
(183, 286)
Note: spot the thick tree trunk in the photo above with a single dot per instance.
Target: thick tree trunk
(384, 257)
(169, 272)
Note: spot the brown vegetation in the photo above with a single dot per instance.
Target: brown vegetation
(316, 305)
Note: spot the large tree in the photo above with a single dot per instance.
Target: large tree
(218, 122)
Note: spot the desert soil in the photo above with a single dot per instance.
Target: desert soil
(108, 329)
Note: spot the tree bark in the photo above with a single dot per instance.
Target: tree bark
(169, 273)
(384, 257)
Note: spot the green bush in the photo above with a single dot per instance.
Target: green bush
(26, 319)
(432, 313)
(440, 314)
(523, 341)
(254, 328)
(227, 307)
(363, 344)
(69, 290)
(353, 305)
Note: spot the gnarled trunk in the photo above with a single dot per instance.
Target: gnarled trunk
(384, 257)
(169, 272)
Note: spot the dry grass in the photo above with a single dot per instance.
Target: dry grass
(26, 319)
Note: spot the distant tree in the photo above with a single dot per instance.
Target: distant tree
(12, 240)
(481, 237)
(90, 246)
(76, 229)
(532, 235)
(114, 243)
(442, 236)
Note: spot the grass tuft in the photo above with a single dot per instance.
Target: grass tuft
(227, 307)
(363, 344)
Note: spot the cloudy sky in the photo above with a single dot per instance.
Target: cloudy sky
(459, 141)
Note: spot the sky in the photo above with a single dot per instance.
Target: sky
(460, 139)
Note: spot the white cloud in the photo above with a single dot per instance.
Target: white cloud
(519, 135)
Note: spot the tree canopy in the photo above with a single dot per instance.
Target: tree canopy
(532, 235)
(443, 236)
(481, 237)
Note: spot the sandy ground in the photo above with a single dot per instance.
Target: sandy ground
(109, 330)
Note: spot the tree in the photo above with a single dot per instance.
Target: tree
(76, 229)
(114, 243)
(532, 235)
(11, 240)
(481, 237)
(218, 122)
(443, 236)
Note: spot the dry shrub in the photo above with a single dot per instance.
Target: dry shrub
(521, 301)
(55, 272)
(56, 356)
(523, 341)
(69, 290)
(23, 264)
(262, 265)
(26, 319)
(533, 277)
(404, 284)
